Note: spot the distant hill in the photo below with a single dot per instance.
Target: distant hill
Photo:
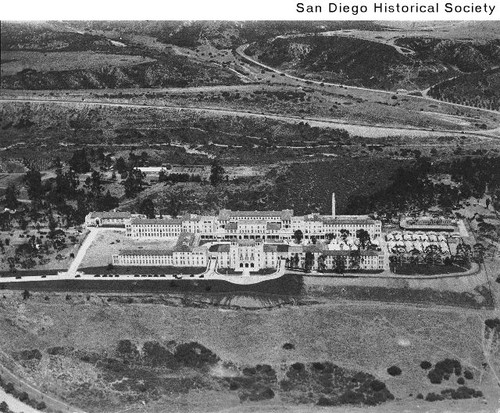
(373, 64)
(157, 68)
(481, 90)
(477, 30)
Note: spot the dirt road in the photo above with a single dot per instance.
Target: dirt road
(359, 129)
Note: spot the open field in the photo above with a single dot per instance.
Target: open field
(383, 336)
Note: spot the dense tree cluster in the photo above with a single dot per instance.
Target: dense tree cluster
(413, 187)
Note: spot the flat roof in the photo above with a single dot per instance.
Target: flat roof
(157, 221)
(110, 214)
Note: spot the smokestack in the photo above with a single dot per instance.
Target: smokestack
(333, 204)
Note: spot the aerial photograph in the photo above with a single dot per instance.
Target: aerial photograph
(249, 216)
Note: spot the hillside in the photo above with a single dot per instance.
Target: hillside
(376, 65)
(49, 56)
(481, 90)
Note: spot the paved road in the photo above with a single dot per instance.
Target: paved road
(73, 268)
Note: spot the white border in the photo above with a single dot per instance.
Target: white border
(229, 10)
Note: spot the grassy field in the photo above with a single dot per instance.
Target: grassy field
(367, 338)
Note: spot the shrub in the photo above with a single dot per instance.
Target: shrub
(377, 385)
(41, 406)
(288, 346)
(468, 375)
(323, 401)
(126, 348)
(298, 366)
(492, 322)
(318, 366)
(34, 354)
(394, 371)
(449, 366)
(433, 397)
(23, 396)
(420, 396)
(426, 365)
(461, 380)
(351, 397)
(266, 394)
(195, 355)
(157, 355)
(435, 377)
(9, 388)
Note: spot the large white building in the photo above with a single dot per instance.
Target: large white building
(246, 225)
(244, 240)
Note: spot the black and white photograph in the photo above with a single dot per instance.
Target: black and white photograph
(245, 216)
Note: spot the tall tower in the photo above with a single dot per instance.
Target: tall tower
(333, 204)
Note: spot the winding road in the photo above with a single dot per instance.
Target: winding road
(241, 52)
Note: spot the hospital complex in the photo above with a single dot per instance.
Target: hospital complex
(253, 240)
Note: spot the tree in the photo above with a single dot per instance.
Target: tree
(52, 225)
(364, 237)
(121, 165)
(340, 264)
(298, 235)
(26, 294)
(344, 233)
(133, 183)
(33, 180)
(147, 208)
(96, 184)
(23, 224)
(478, 252)
(4, 407)
(107, 202)
(162, 175)
(309, 261)
(216, 173)
(79, 162)
(11, 193)
(355, 260)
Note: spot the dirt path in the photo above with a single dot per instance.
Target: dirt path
(359, 129)
(241, 52)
